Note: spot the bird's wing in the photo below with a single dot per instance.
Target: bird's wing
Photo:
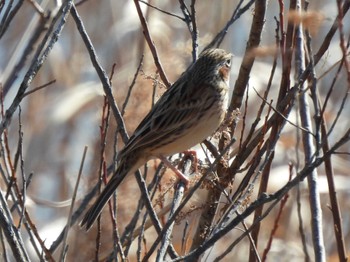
(168, 118)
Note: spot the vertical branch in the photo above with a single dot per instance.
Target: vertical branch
(286, 50)
(335, 206)
(102, 176)
(277, 219)
(64, 247)
(190, 20)
(20, 153)
(334, 203)
(132, 85)
(248, 60)
(309, 149)
(343, 45)
(194, 31)
(176, 202)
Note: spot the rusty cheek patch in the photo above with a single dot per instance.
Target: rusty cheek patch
(224, 72)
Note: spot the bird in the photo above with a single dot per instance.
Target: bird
(188, 112)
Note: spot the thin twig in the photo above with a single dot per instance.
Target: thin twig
(161, 10)
(132, 85)
(38, 88)
(130, 232)
(334, 203)
(281, 115)
(229, 249)
(342, 43)
(37, 8)
(151, 44)
(72, 204)
(20, 153)
(277, 219)
(235, 15)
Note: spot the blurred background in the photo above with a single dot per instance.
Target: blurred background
(60, 119)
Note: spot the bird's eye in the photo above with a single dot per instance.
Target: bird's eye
(228, 63)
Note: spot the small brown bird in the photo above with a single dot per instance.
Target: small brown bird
(187, 113)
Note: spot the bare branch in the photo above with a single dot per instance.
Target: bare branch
(40, 57)
(72, 204)
(151, 44)
(162, 11)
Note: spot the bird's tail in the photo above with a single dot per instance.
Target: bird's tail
(96, 209)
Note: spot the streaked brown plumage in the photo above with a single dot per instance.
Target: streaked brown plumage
(187, 113)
